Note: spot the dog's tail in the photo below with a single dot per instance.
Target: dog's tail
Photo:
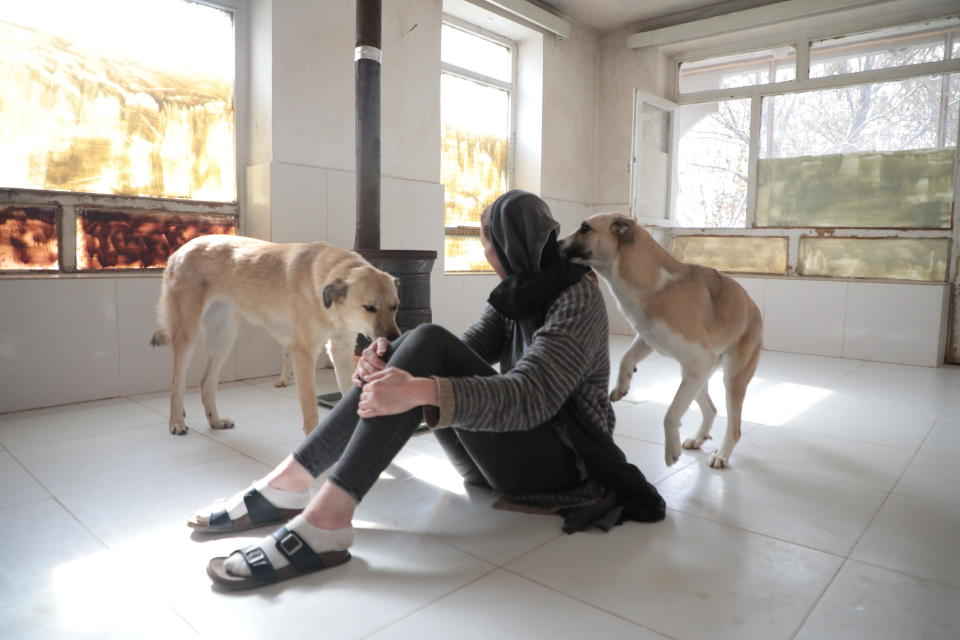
(161, 336)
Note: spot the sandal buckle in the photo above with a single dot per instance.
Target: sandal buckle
(256, 555)
(290, 543)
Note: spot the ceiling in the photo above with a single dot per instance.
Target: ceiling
(609, 15)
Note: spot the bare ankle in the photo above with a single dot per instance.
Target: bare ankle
(289, 475)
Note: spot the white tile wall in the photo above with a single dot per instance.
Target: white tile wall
(422, 216)
(341, 208)
(804, 316)
(58, 341)
(476, 290)
(144, 368)
(755, 288)
(898, 323)
(446, 300)
(298, 196)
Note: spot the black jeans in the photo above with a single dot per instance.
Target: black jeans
(513, 463)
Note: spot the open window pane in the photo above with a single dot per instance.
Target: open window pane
(882, 49)
(28, 238)
(894, 258)
(138, 104)
(475, 53)
(733, 253)
(653, 161)
(712, 156)
(869, 155)
(120, 240)
(741, 70)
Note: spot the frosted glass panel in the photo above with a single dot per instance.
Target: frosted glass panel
(125, 98)
(733, 253)
(888, 258)
(911, 189)
(28, 238)
(109, 239)
(654, 126)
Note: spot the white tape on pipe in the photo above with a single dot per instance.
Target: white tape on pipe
(366, 52)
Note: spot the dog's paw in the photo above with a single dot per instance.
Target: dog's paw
(179, 428)
(672, 452)
(618, 393)
(281, 382)
(222, 423)
(694, 443)
(718, 461)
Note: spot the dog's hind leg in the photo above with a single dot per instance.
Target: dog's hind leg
(709, 413)
(738, 371)
(184, 321)
(695, 377)
(637, 351)
(221, 327)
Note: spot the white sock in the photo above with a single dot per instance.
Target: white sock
(236, 508)
(320, 540)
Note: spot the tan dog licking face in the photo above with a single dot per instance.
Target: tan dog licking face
(366, 300)
(598, 240)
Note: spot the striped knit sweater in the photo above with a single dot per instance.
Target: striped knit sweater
(568, 357)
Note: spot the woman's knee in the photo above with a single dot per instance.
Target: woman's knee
(430, 333)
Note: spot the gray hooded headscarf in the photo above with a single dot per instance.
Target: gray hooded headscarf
(524, 236)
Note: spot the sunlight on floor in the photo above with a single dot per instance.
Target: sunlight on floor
(439, 473)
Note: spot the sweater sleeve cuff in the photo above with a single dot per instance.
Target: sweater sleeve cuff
(442, 415)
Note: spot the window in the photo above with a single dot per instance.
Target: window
(741, 70)
(476, 86)
(116, 104)
(884, 49)
(845, 168)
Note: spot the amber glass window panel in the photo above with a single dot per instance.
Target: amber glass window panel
(740, 70)
(738, 254)
(118, 97)
(464, 254)
(883, 49)
(474, 161)
(121, 240)
(887, 258)
(28, 238)
(869, 155)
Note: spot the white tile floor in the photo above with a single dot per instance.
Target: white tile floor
(839, 518)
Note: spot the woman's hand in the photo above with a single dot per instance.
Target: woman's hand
(371, 361)
(393, 391)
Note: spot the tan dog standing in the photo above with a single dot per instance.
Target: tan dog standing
(693, 314)
(305, 294)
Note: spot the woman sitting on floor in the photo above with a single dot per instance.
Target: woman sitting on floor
(539, 433)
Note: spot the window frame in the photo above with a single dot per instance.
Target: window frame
(803, 83)
(510, 88)
(69, 203)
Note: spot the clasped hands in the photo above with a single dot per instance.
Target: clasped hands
(388, 390)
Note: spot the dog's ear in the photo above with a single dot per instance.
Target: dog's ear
(334, 291)
(622, 229)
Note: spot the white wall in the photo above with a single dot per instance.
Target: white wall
(880, 321)
(72, 339)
